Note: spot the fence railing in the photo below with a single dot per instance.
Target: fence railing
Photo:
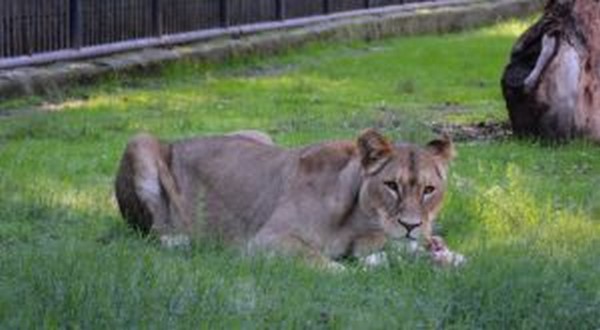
(29, 27)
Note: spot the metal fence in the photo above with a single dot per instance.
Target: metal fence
(30, 27)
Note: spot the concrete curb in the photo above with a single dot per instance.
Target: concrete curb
(243, 41)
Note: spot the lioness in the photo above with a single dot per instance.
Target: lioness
(324, 201)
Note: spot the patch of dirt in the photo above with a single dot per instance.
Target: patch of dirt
(10, 113)
(448, 106)
(44, 108)
(482, 131)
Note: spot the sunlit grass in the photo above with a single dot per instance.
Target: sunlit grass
(526, 215)
(509, 214)
(511, 28)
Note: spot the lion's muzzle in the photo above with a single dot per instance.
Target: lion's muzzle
(410, 224)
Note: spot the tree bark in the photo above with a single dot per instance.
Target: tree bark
(552, 82)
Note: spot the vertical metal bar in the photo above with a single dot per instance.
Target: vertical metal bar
(224, 13)
(148, 26)
(141, 6)
(51, 7)
(19, 28)
(280, 9)
(115, 18)
(119, 9)
(139, 26)
(25, 8)
(194, 22)
(166, 19)
(201, 9)
(135, 27)
(145, 13)
(367, 4)
(9, 29)
(45, 32)
(3, 34)
(102, 23)
(118, 17)
(4, 49)
(25, 28)
(6, 32)
(9, 42)
(54, 13)
(16, 26)
(124, 7)
(33, 21)
(43, 28)
(133, 21)
(90, 19)
(63, 20)
(17, 17)
(111, 15)
(137, 21)
(58, 19)
(168, 26)
(76, 23)
(326, 7)
(133, 24)
(93, 16)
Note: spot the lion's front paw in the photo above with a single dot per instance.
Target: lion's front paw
(374, 260)
(175, 241)
(448, 258)
(441, 255)
(334, 267)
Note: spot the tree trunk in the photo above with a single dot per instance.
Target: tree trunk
(552, 83)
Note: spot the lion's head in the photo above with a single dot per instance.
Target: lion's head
(403, 184)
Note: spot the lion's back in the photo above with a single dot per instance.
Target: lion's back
(231, 184)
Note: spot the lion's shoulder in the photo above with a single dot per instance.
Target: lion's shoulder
(328, 156)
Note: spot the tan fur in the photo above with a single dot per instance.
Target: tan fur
(323, 201)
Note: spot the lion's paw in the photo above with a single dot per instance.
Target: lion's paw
(335, 267)
(442, 255)
(378, 259)
(448, 258)
(175, 241)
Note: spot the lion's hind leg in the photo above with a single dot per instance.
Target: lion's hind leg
(138, 188)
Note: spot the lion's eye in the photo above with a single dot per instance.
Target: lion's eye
(428, 190)
(392, 185)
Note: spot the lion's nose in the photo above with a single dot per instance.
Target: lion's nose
(410, 225)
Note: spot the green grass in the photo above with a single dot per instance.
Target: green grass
(526, 215)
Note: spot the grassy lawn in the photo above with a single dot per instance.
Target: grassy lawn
(527, 216)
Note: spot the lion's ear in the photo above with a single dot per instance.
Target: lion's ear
(374, 150)
(442, 148)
